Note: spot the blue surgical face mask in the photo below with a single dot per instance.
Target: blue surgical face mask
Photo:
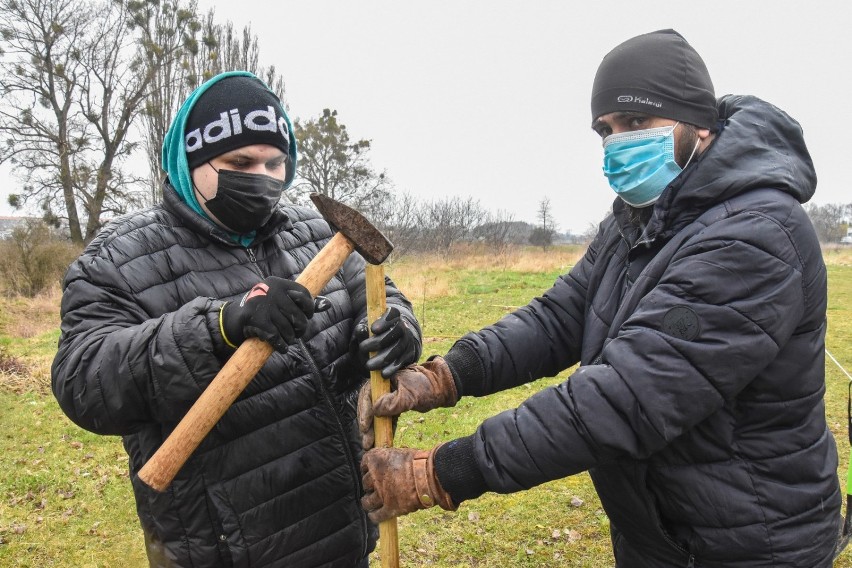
(640, 165)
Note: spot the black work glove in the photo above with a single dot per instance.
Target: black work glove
(359, 334)
(394, 342)
(275, 310)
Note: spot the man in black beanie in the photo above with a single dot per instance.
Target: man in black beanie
(697, 318)
(160, 300)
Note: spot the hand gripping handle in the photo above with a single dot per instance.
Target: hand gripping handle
(234, 377)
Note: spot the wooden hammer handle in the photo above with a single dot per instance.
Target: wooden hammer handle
(382, 425)
(234, 377)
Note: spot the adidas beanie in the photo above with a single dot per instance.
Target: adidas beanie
(234, 112)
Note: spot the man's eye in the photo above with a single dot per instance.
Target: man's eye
(637, 121)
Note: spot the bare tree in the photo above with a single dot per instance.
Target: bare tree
(330, 164)
(448, 221)
(226, 49)
(398, 217)
(592, 230)
(73, 77)
(543, 234)
(174, 27)
(44, 130)
(829, 220)
(118, 75)
(496, 230)
(204, 49)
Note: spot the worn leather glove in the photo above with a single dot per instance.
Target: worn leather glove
(394, 343)
(398, 481)
(275, 310)
(417, 387)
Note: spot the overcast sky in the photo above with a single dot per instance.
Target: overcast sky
(490, 99)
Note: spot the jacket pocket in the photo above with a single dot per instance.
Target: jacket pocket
(230, 538)
(635, 513)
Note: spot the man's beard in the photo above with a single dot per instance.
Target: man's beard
(686, 147)
(639, 216)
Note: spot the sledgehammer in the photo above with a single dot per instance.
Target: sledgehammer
(354, 232)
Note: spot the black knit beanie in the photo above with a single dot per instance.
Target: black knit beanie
(657, 73)
(234, 112)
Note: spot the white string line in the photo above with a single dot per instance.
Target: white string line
(839, 366)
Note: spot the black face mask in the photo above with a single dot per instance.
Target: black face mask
(244, 202)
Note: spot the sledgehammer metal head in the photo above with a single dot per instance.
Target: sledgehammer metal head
(366, 238)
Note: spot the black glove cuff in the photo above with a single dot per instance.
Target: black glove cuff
(232, 333)
(417, 339)
(467, 369)
(358, 360)
(458, 472)
(214, 325)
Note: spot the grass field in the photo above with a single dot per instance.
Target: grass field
(65, 499)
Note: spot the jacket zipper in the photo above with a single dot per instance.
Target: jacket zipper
(342, 431)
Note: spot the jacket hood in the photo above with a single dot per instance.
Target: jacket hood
(757, 146)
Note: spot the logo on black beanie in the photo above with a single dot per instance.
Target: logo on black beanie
(233, 123)
(639, 100)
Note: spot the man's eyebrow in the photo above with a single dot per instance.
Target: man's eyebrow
(619, 116)
(237, 153)
(240, 153)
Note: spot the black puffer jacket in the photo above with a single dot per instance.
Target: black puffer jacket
(276, 483)
(698, 406)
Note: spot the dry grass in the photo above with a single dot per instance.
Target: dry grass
(837, 255)
(513, 258)
(28, 317)
(33, 378)
(418, 281)
(429, 276)
(28, 327)
(14, 373)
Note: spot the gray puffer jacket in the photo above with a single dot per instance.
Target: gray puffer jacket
(276, 483)
(698, 406)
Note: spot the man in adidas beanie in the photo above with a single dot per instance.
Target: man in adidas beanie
(697, 321)
(161, 299)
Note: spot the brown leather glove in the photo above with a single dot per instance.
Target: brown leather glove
(398, 481)
(416, 387)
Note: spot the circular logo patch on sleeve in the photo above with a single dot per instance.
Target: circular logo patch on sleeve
(682, 323)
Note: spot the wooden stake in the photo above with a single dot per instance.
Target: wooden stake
(382, 425)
